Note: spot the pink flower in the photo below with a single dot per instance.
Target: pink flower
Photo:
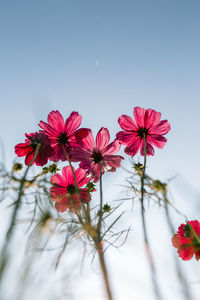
(186, 242)
(61, 133)
(97, 154)
(64, 191)
(28, 148)
(147, 124)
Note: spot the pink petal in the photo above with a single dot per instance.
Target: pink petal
(23, 149)
(55, 120)
(126, 138)
(113, 160)
(149, 148)
(29, 158)
(133, 147)
(50, 131)
(139, 114)
(112, 148)
(127, 123)
(95, 172)
(157, 140)
(102, 138)
(152, 118)
(186, 253)
(58, 179)
(86, 141)
(79, 154)
(62, 206)
(68, 175)
(73, 122)
(81, 177)
(162, 127)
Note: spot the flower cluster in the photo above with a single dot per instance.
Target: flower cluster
(64, 140)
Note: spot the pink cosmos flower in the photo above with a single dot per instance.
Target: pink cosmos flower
(61, 133)
(186, 242)
(97, 154)
(147, 124)
(64, 191)
(28, 148)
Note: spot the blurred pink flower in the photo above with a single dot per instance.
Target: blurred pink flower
(97, 154)
(28, 148)
(147, 124)
(61, 133)
(186, 242)
(64, 191)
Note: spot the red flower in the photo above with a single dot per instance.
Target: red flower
(147, 124)
(28, 148)
(61, 133)
(95, 154)
(187, 240)
(64, 190)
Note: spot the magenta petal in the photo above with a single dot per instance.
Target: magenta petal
(127, 123)
(23, 149)
(113, 160)
(149, 148)
(95, 172)
(112, 148)
(157, 140)
(50, 131)
(73, 122)
(55, 120)
(133, 148)
(79, 154)
(81, 177)
(102, 138)
(139, 114)
(87, 141)
(152, 118)
(29, 158)
(162, 127)
(62, 206)
(68, 175)
(126, 137)
(59, 180)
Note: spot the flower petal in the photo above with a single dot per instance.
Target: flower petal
(23, 149)
(127, 123)
(112, 148)
(85, 140)
(152, 118)
(149, 148)
(73, 122)
(126, 138)
(133, 147)
(55, 120)
(139, 113)
(81, 177)
(157, 140)
(162, 128)
(102, 138)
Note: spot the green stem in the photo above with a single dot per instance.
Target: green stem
(104, 273)
(147, 246)
(101, 206)
(4, 256)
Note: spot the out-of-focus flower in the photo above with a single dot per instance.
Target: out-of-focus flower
(61, 133)
(147, 125)
(64, 191)
(96, 154)
(187, 240)
(29, 147)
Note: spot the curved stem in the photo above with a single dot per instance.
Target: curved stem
(147, 246)
(4, 257)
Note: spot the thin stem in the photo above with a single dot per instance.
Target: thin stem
(4, 256)
(101, 205)
(147, 246)
(104, 273)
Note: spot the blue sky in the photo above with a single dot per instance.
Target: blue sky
(102, 58)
